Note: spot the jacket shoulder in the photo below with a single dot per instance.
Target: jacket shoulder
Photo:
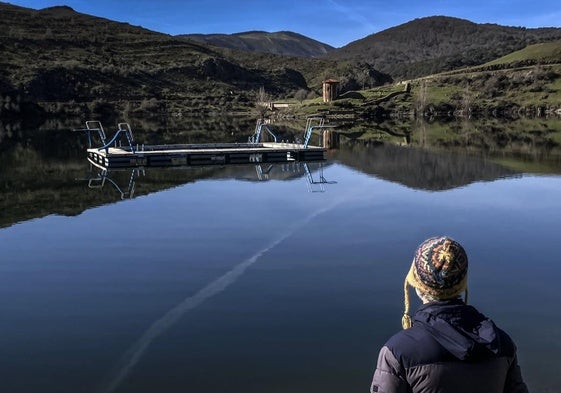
(415, 346)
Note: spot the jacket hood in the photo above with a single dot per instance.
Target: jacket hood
(461, 329)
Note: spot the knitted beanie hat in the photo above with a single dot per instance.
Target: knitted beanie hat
(439, 269)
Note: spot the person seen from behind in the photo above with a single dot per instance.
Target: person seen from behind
(448, 346)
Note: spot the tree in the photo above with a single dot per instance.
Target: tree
(262, 101)
(301, 95)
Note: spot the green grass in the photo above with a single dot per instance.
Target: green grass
(548, 52)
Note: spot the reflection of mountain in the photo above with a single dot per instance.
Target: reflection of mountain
(33, 187)
(420, 169)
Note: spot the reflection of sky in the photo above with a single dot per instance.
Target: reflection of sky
(81, 290)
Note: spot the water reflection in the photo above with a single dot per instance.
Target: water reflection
(528, 145)
(124, 181)
(98, 181)
(420, 169)
(129, 295)
(39, 167)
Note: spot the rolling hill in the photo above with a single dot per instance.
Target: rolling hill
(280, 43)
(434, 44)
(56, 60)
(59, 61)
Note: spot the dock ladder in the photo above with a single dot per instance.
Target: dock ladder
(314, 123)
(256, 137)
(96, 126)
(122, 128)
(93, 126)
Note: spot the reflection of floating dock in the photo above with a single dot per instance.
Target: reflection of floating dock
(114, 155)
(204, 154)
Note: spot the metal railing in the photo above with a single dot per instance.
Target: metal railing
(122, 128)
(256, 137)
(314, 123)
(93, 126)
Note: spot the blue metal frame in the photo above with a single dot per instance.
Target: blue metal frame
(313, 123)
(256, 137)
(95, 126)
(122, 128)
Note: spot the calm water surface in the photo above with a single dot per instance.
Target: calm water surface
(263, 279)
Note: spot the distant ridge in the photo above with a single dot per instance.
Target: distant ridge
(57, 60)
(439, 43)
(281, 43)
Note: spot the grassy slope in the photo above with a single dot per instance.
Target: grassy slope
(530, 77)
(527, 78)
(544, 52)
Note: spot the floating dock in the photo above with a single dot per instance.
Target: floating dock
(112, 153)
(203, 154)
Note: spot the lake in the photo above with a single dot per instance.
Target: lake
(270, 278)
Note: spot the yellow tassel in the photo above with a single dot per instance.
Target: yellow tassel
(406, 319)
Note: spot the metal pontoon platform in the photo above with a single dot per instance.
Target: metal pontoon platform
(112, 153)
(203, 154)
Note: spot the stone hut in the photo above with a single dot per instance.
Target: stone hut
(330, 87)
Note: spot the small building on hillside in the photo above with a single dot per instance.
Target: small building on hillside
(330, 89)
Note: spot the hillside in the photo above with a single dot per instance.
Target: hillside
(548, 52)
(434, 44)
(524, 83)
(280, 43)
(59, 61)
(58, 55)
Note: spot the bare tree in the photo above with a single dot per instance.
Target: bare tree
(262, 101)
(301, 95)
(422, 97)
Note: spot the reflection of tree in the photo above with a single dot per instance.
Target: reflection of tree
(34, 186)
(420, 169)
(422, 99)
(529, 138)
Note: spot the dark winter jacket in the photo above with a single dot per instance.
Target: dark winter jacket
(451, 348)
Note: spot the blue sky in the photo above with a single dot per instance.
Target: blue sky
(334, 22)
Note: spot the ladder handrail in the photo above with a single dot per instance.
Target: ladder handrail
(310, 127)
(122, 128)
(93, 125)
(257, 133)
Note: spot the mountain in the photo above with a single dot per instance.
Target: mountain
(280, 43)
(56, 60)
(59, 55)
(434, 44)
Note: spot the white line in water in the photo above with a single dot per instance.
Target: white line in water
(135, 352)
